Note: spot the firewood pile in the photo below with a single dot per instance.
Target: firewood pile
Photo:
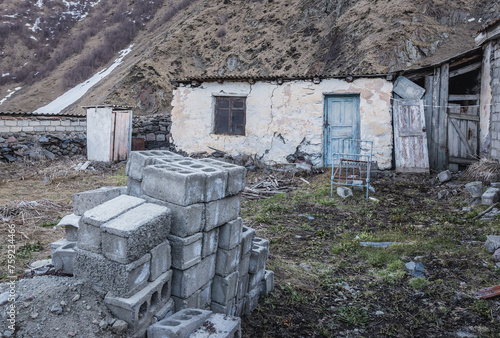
(270, 185)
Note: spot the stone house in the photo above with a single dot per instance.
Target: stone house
(274, 117)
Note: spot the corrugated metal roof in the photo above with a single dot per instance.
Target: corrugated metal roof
(494, 22)
(34, 114)
(213, 78)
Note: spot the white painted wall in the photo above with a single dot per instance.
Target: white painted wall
(281, 118)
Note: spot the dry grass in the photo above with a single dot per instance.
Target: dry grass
(486, 170)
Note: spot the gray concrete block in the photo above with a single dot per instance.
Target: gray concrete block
(70, 224)
(187, 282)
(134, 187)
(139, 309)
(255, 279)
(210, 242)
(205, 299)
(495, 184)
(244, 264)
(239, 307)
(57, 244)
(221, 211)
(222, 325)
(224, 288)
(260, 242)
(215, 178)
(135, 232)
(180, 325)
(161, 260)
(444, 176)
(166, 311)
(475, 189)
(230, 234)
(64, 257)
(242, 287)
(186, 252)
(87, 200)
(267, 284)
(258, 256)
(236, 179)
(490, 196)
(110, 209)
(227, 261)
(123, 280)
(228, 309)
(247, 237)
(174, 184)
(89, 237)
(186, 220)
(201, 299)
(344, 192)
(136, 163)
(252, 300)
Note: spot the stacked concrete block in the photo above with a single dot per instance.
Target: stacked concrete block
(87, 200)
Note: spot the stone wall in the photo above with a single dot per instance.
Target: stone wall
(281, 119)
(154, 129)
(39, 137)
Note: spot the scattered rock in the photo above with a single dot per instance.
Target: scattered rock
(103, 324)
(379, 313)
(444, 176)
(490, 196)
(76, 298)
(305, 266)
(119, 327)
(56, 309)
(475, 189)
(34, 315)
(492, 243)
(415, 269)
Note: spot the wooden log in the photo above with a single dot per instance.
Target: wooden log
(443, 118)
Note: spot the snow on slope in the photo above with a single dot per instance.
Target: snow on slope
(75, 93)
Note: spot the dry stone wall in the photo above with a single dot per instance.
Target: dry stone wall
(154, 129)
(171, 240)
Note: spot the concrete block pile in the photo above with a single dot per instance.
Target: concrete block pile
(173, 240)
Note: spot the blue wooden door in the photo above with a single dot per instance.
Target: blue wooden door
(341, 122)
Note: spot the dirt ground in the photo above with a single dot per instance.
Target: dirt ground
(326, 282)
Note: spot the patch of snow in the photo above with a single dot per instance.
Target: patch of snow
(6, 74)
(10, 16)
(36, 25)
(33, 38)
(79, 90)
(471, 19)
(39, 3)
(11, 92)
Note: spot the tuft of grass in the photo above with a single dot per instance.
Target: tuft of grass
(354, 315)
(418, 283)
(26, 251)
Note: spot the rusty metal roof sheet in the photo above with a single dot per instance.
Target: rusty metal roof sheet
(34, 114)
(482, 29)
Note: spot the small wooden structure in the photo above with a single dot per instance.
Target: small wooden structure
(109, 132)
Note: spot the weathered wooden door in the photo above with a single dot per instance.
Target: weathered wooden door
(410, 138)
(121, 139)
(462, 133)
(341, 122)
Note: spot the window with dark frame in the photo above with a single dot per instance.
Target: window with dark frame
(230, 115)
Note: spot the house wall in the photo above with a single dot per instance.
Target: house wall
(281, 119)
(490, 98)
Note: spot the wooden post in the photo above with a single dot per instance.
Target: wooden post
(428, 113)
(433, 155)
(443, 118)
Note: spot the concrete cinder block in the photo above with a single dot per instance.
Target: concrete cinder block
(110, 209)
(267, 284)
(490, 196)
(244, 265)
(258, 257)
(180, 324)
(139, 309)
(228, 309)
(475, 189)
(230, 234)
(187, 282)
(134, 187)
(227, 327)
(205, 299)
(215, 178)
(135, 232)
(344, 192)
(166, 311)
(239, 307)
(201, 299)
(210, 242)
(221, 211)
(236, 179)
(70, 224)
(57, 244)
(242, 287)
(255, 279)
(136, 163)
(186, 220)
(89, 237)
(247, 237)
(227, 261)
(224, 288)
(186, 252)
(63, 258)
(261, 242)
(123, 280)
(174, 184)
(87, 200)
(252, 300)
(161, 260)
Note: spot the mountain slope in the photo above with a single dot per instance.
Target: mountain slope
(185, 38)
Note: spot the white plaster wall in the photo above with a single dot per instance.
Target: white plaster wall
(99, 128)
(281, 118)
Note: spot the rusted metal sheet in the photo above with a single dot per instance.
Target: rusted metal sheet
(138, 143)
(410, 138)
